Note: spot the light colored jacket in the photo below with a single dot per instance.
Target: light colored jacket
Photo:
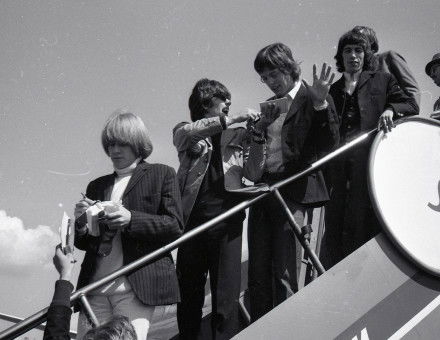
(194, 148)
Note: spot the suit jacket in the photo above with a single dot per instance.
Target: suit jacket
(59, 313)
(306, 135)
(153, 198)
(392, 62)
(194, 147)
(377, 91)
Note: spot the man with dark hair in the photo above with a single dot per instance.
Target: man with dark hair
(392, 62)
(365, 99)
(432, 69)
(294, 139)
(212, 162)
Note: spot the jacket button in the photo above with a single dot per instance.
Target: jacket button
(199, 174)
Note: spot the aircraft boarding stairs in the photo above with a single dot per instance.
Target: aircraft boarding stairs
(387, 289)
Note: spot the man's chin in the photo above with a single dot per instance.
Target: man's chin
(277, 92)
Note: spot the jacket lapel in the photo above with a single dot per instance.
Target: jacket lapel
(297, 102)
(138, 173)
(365, 76)
(109, 187)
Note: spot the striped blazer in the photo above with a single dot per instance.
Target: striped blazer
(152, 196)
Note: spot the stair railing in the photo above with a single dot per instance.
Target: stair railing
(39, 317)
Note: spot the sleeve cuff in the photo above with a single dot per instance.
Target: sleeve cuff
(223, 122)
(61, 296)
(396, 114)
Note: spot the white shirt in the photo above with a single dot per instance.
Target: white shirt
(351, 81)
(114, 260)
(274, 158)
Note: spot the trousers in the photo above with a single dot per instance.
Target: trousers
(350, 220)
(219, 254)
(274, 254)
(126, 304)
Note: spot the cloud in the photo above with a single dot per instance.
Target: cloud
(21, 248)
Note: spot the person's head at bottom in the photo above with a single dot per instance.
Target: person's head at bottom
(119, 327)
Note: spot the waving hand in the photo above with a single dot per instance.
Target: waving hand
(321, 86)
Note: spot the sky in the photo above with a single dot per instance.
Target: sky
(65, 66)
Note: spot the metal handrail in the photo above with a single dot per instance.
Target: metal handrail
(40, 327)
(40, 316)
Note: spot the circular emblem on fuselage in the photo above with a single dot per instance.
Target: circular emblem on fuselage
(404, 180)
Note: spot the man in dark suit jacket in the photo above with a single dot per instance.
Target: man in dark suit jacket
(392, 62)
(364, 100)
(151, 190)
(148, 216)
(293, 139)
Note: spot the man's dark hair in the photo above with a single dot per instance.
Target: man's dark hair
(202, 94)
(277, 56)
(370, 34)
(352, 38)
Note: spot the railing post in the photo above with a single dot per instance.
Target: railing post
(89, 311)
(319, 237)
(297, 230)
(243, 310)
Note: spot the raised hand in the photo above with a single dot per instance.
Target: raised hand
(321, 86)
(82, 206)
(64, 263)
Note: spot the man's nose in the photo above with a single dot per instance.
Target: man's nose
(115, 148)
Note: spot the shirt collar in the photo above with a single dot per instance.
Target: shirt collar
(349, 78)
(292, 93)
(351, 82)
(129, 169)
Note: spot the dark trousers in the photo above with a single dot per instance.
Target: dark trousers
(219, 253)
(274, 254)
(350, 220)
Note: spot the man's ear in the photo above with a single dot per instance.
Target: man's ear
(206, 106)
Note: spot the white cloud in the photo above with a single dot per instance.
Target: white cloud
(25, 248)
